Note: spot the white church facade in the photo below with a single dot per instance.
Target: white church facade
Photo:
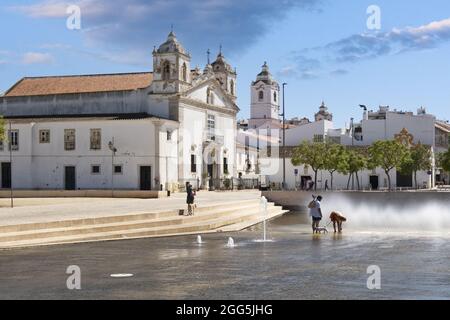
(135, 131)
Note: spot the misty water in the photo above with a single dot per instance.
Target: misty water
(406, 217)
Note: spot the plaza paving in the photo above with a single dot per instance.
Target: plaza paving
(51, 209)
(296, 265)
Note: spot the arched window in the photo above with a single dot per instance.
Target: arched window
(208, 96)
(184, 72)
(232, 87)
(166, 70)
(261, 96)
(275, 96)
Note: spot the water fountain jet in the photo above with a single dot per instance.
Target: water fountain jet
(263, 207)
(231, 243)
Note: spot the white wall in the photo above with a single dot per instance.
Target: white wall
(422, 127)
(41, 166)
(301, 133)
(200, 95)
(340, 181)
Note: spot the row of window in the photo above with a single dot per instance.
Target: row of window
(97, 169)
(69, 139)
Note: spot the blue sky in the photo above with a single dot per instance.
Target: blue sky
(321, 48)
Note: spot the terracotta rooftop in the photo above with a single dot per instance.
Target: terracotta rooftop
(39, 86)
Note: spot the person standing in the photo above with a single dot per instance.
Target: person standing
(190, 199)
(326, 185)
(315, 212)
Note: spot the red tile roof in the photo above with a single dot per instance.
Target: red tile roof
(39, 86)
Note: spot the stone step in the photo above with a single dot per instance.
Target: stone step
(117, 218)
(212, 213)
(207, 226)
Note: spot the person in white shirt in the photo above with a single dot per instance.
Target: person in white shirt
(316, 214)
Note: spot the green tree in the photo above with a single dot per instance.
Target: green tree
(444, 161)
(2, 129)
(419, 159)
(335, 159)
(389, 155)
(355, 162)
(310, 154)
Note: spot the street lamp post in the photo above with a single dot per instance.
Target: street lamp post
(11, 163)
(113, 153)
(352, 132)
(284, 137)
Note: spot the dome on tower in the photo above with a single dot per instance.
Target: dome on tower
(265, 75)
(171, 45)
(323, 113)
(221, 64)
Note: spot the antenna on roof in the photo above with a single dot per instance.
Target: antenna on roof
(208, 52)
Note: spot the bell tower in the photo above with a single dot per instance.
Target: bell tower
(265, 106)
(171, 67)
(225, 75)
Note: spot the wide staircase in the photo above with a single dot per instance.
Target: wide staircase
(227, 216)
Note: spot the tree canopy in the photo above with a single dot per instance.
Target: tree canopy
(335, 159)
(444, 161)
(356, 161)
(2, 129)
(388, 155)
(310, 154)
(418, 159)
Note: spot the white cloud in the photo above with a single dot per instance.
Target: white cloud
(435, 26)
(46, 9)
(56, 46)
(366, 46)
(37, 58)
(141, 24)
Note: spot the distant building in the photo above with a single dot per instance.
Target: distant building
(295, 122)
(383, 124)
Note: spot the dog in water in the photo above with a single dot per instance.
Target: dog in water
(320, 230)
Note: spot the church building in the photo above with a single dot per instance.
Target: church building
(134, 131)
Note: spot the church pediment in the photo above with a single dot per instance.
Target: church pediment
(210, 92)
